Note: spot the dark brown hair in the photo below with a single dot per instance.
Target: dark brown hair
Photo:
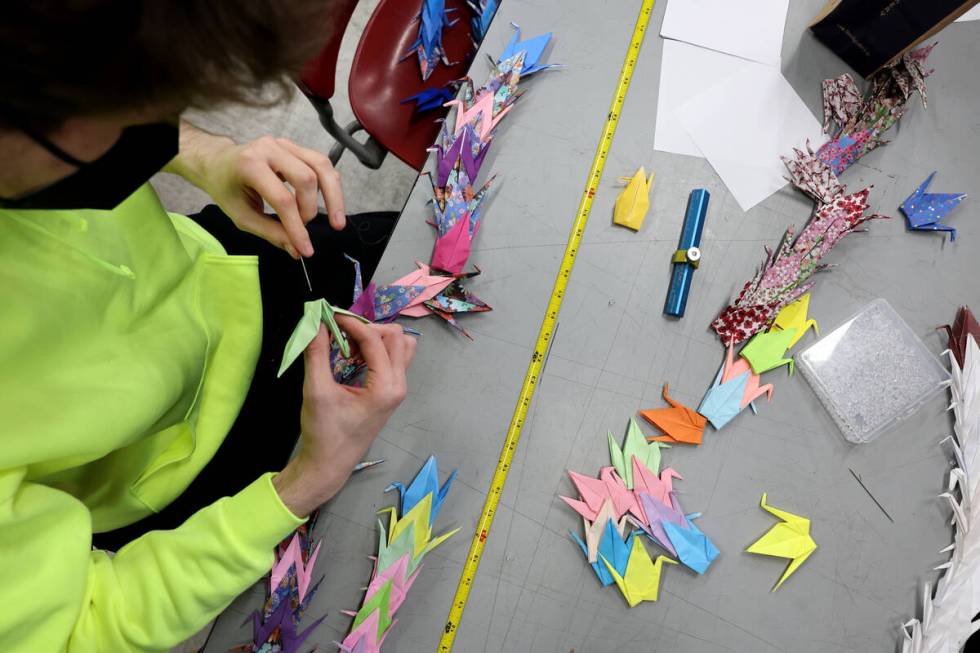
(83, 57)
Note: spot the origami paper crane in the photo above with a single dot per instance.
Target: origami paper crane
(432, 98)
(948, 611)
(723, 400)
(455, 299)
(864, 121)
(293, 557)
(657, 487)
(786, 273)
(428, 46)
(314, 313)
(789, 539)
(401, 549)
(432, 285)
(457, 221)
(532, 49)
(378, 304)
(765, 351)
(641, 581)
(458, 159)
(635, 445)
(925, 211)
(692, 547)
(964, 326)
(594, 529)
(734, 369)
(596, 491)
(668, 526)
(276, 626)
(793, 316)
(426, 482)
(633, 203)
(483, 11)
(678, 423)
(813, 176)
(278, 632)
(613, 551)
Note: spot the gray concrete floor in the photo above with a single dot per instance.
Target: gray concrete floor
(613, 352)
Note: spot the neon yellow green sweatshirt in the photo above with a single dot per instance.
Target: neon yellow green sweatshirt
(128, 339)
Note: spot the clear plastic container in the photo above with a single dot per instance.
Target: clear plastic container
(872, 372)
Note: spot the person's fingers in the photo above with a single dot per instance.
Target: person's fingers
(328, 179)
(401, 347)
(300, 175)
(367, 337)
(265, 182)
(318, 379)
(259, 224)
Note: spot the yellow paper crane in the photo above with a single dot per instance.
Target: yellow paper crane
(641, 582)
(793, 316)
(633, 203)
(790, 539)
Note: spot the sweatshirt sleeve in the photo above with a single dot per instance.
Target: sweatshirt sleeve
(157, 591)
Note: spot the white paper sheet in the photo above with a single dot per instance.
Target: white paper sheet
(973, 14)
(752, 29)
(685, 72)
(744, 124)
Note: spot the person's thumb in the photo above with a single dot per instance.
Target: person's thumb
(318, 378)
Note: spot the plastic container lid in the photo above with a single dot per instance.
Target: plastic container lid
(872, 372)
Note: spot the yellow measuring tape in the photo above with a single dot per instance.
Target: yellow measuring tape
(545, 334)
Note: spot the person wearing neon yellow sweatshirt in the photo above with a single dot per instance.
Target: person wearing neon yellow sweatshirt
(138, 409)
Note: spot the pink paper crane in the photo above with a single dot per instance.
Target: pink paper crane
(479, 114)
(733, 370)
(293, 555)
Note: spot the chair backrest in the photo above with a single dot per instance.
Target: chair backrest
(380, 79)
(320, 75)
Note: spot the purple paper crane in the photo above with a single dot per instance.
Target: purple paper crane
(925, 211)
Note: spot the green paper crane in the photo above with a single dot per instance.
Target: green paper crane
(314, 313)
(765, 351)
(636, 446)
(378, 601)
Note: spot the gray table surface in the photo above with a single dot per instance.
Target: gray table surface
(615, 349)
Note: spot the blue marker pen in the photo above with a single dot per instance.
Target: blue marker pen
(687, 257)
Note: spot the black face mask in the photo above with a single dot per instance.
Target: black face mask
(140, 152)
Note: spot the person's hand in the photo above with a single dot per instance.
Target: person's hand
(339, 422)
(240, 177)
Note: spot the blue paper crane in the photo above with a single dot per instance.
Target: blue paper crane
(925, 211)
(533, 50)
(428, 46)
(612, 548)
(425, 482)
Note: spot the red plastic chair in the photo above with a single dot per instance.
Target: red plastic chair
(380, 80)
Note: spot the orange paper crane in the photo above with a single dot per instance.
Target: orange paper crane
(679, 423)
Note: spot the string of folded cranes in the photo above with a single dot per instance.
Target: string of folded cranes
(434, 289)
(771, 309)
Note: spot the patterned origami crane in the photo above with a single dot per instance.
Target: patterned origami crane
(276, 626)
(428, 46)
(400, 552)
(483, 13)
(788, 539)
(463, 147)
(786, 275)
(925, 211)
